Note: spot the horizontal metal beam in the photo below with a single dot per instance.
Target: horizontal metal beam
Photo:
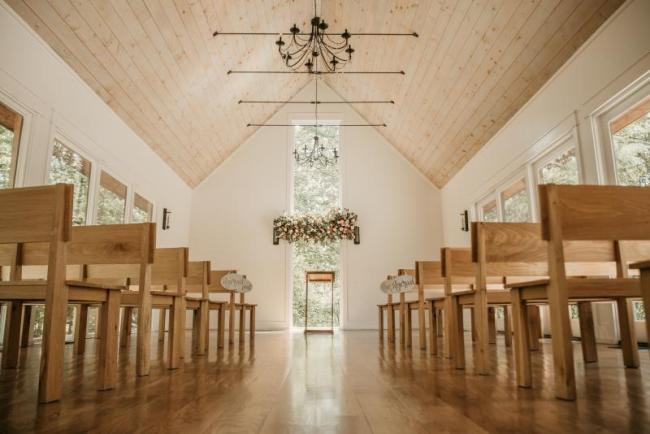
(218, 33)
(314, 125)
(315, 72)
(313, 102)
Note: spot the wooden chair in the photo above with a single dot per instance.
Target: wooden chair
(389, 309)
(197, 300)
(168, 275)
(574, 219)
(221, 307)
(644, 269)
(36, 223)
(428, 276)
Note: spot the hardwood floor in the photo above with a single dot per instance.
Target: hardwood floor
(346, 383)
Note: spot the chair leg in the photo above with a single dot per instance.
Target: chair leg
(50, 385)
(108, 332)
(162, 320)
(482, 333)
(391, 323)
(231, 322)
(176, 332)
(628, 335)
(143, 344)
(473, 324)
(204, 328)
(221, 326)
(563, 367)
(520, 335)
(196, 326)
(27, 334)
(645, 294)
(507, 326)
(534, 327)
(11, 342)
(242, 324)
(492, 325)
(587, 332)
(252, 324)
(381, 323)
(458, 332)
(402, 322)
(422, 325)
(409, 327)
(80, 328)
(449, 335)
(433, 329)
(125, 331)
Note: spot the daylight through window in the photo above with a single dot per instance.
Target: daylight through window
(69, 167)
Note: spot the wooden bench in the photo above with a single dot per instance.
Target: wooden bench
(581, 224)
(162, 287)
(221, 307)
(389, 308)
(197, 300)
(35, 226)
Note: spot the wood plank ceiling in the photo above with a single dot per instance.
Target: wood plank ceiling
(156, 64)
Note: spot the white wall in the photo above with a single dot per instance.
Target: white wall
(233, 211)
(56, 102)
(614, 57)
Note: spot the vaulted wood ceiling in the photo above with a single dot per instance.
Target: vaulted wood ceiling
(156, 64)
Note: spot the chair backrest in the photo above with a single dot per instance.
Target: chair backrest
(595, 212)
(33, 215)
(428, 273)
(117, 254)
(36, 214)
(169, 269)
(198, 278)
(457, 267)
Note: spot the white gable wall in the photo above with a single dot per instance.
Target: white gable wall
(234, 208)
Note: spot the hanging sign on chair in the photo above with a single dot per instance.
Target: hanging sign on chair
(337, 224)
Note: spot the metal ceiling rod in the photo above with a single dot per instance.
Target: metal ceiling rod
(316, 126)
(218, 33)
(317, 72)
(243, 101)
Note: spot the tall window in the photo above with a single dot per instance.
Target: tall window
(142, 210)
(111, 205)
(315, 190)
(630, 135)
(10, 129)
(69, 167)
(561, 168)
(516, 204)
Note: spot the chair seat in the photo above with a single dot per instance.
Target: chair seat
(641, 265)
(34, 290)
(583, 288)
(493, 297)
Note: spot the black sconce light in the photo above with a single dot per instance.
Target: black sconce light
(166, 219)
(464, 221)
(357, 237)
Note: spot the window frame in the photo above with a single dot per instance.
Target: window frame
(25, 136)
(94, 166)
(132, 194)
(127, 216)
(603, 116)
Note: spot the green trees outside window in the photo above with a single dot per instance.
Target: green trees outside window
(315, 190)
(67, 166)
(111, 207)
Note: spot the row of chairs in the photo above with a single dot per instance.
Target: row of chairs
(113, 267)
(593, 244)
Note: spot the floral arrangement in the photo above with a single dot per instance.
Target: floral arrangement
(337, 224)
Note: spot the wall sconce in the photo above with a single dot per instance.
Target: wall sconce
(166, 219)
(464, 221)
(276, 240)
(357, 237)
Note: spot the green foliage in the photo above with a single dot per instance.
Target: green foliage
(639, 311)
(69, 167)
(139, 215)
(110, 208)
(6, 139)
(632, 152)
(562, 170)
(516, 208)
(315, 190)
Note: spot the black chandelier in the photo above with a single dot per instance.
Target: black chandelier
(303, 51)
(318, 154)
